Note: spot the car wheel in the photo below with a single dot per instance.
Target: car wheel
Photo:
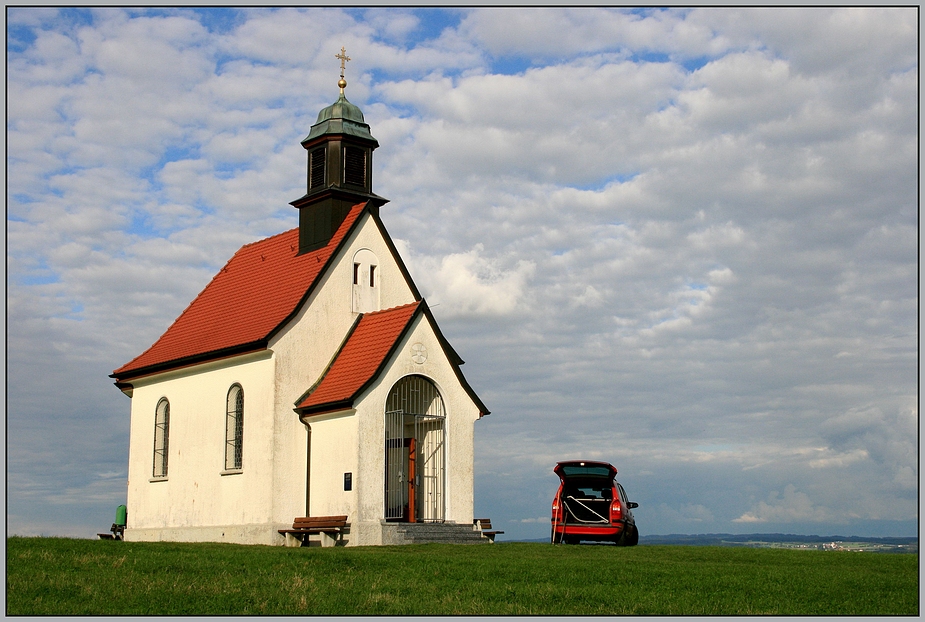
(628, 537)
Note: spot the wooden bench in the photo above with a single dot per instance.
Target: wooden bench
(330, 527)
(484, 524)
(117, 532)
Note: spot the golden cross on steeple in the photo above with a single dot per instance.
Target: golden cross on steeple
(343, 59)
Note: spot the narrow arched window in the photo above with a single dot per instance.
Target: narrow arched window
(161, 433)
(234, 427)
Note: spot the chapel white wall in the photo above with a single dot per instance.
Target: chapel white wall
(195, 492)
(330, 462)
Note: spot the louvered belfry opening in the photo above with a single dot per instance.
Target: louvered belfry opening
(316, 168)
(355, 166)
(415, 452)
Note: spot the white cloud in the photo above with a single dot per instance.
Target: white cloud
(547, 33)
(839, 460)
(793, 506)
(687, 513)
(469, 284)
(540, 519)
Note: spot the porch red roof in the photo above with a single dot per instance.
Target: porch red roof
(256, 292)
(372, 340)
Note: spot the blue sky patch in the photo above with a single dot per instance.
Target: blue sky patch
(220, 20)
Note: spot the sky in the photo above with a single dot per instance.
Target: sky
(682, 241)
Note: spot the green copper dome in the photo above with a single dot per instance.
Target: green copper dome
(341, 117)
(341, 109)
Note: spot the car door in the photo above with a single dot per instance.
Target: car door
(627, 511)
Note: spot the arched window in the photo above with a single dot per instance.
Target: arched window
(161, 433)
(234, 427)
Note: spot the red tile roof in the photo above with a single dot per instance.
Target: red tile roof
(373, 339)
(256, 292)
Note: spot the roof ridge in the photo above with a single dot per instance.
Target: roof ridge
(390, 309)
(266, 239)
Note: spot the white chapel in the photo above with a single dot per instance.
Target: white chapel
(308, 379)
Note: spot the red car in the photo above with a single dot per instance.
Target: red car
(591, 505)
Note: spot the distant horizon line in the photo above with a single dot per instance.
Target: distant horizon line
(741, 536)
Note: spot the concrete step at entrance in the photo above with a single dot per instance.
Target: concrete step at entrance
(446, 533)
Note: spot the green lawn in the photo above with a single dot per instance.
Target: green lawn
(73, 577)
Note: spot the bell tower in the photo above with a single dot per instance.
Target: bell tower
(340, 169)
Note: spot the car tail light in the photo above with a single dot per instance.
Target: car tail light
(616, 509)
(556, 510)
(616, 514)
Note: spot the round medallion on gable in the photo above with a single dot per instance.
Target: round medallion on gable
(418, 353)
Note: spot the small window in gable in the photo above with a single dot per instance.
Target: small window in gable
(366, 279)
(161, 434)
(234, 428)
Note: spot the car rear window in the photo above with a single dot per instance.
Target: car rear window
(589, 489)
(577, 470)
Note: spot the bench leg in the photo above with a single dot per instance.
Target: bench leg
(328, 539)
(294, 540)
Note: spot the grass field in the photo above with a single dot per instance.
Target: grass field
(72, 577)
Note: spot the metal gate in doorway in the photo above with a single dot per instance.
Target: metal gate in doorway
(415, 452)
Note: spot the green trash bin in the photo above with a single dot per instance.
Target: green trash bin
(118, 527)
(121, 514)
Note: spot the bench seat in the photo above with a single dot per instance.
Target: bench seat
(302, 527)
(484, 525)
